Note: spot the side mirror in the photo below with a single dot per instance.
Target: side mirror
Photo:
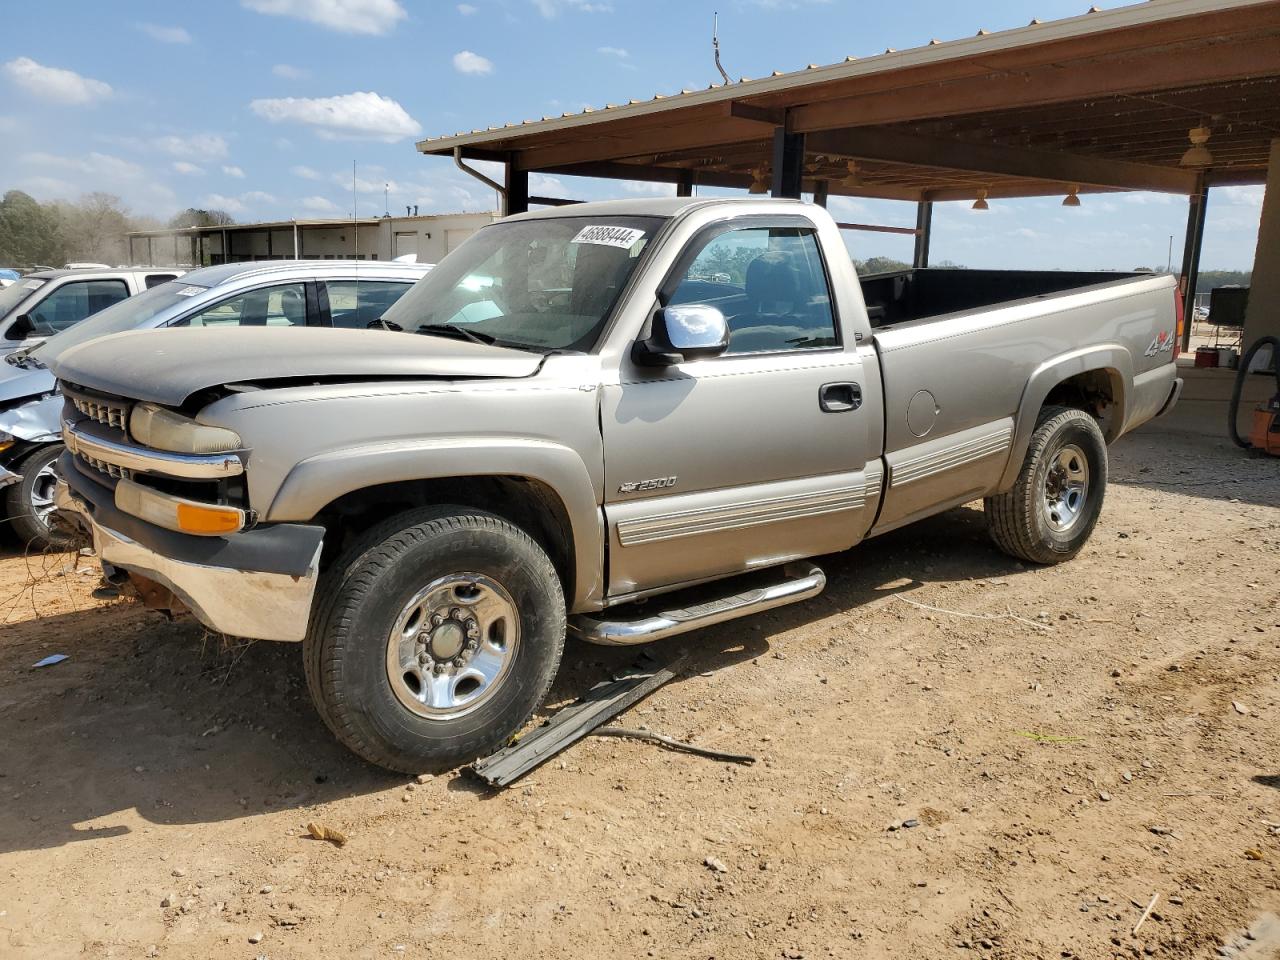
(688, 332)
(21, 328)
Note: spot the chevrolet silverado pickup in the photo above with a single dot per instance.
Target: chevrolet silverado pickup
(620, 420)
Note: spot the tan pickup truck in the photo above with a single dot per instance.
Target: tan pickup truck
(590, 407)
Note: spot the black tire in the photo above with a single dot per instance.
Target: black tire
(20, 502)
(365, 592)
(1022, 521)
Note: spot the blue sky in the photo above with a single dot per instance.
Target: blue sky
(260, 107)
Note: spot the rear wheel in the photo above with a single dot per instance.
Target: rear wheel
(29, 503)
(1055, 502)
(439, 636)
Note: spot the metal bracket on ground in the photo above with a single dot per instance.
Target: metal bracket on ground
(602, 703)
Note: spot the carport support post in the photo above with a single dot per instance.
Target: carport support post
(684, 185)
(1262, 316)
(1191, 256)
(820, 190)
(516, 184)
(788, 163)
(924, 230)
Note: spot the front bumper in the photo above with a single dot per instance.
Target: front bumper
(257, 584)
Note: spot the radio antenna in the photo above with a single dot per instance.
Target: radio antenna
(715, 45)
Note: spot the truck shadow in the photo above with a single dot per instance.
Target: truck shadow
(150, 723)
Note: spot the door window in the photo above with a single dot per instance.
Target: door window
(284, 305)
(72, 302)
(356, 304)
(770, 284)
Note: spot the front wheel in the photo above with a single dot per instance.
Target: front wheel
(29, 502)
(1055, 502)
(438, 637)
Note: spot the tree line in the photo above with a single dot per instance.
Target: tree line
(92, 229)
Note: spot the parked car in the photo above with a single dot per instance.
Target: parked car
(8, 277)
(326, 293)
(583, 420)
(49, 301)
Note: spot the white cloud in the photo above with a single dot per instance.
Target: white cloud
(100, 165)
(1250, 196)
(258, 196)
(467, 9)
(352, 116)
(553, 8)
(54, 83)
(546, 186)
(197, 146)
(217, 201)
(363, 185)
(188, 169)
(371, 17)
(618, 52)
(318, 204)
(467, 62)
(306, 173)
(233, 171)
(289, 72)
(647, 189)
(162, 34)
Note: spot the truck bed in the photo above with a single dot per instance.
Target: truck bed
(919, 294)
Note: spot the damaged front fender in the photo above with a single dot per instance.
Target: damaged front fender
(36, 421)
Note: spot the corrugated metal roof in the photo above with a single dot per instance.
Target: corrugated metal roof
(1093, 21)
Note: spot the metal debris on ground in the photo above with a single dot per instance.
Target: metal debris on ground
(602, 703)
(671, 743)
(50, 660)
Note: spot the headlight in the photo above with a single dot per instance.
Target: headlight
(6, 441)
(161, 429)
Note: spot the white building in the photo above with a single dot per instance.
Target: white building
(368, 238)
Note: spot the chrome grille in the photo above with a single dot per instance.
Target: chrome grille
(114, 413)
(110, 469)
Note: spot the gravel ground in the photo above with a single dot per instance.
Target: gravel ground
(1013, 773)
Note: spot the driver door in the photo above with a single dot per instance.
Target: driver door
(741, 461)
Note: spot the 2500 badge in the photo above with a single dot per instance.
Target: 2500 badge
(636, 486)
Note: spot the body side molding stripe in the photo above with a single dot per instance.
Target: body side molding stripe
(733, 516)
(948, 458)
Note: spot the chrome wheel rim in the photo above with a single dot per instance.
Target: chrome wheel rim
(1066, 487)
(452, 645)
(42, 487)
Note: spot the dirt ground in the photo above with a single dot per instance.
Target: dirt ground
(1017, 782)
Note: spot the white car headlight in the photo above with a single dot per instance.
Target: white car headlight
(154, 426)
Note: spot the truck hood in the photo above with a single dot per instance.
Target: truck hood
(167, 366)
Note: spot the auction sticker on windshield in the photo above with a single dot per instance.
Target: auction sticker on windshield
(605, 236)
(189, 291)
(34, 284)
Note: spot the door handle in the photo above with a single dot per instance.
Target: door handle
(839, 397)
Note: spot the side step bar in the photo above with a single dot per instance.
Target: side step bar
(804, 581)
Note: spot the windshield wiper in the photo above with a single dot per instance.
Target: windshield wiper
(456, 332)
(24, 359)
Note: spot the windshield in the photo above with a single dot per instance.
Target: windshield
(545, 284)
(15, 293)
(128, 314)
